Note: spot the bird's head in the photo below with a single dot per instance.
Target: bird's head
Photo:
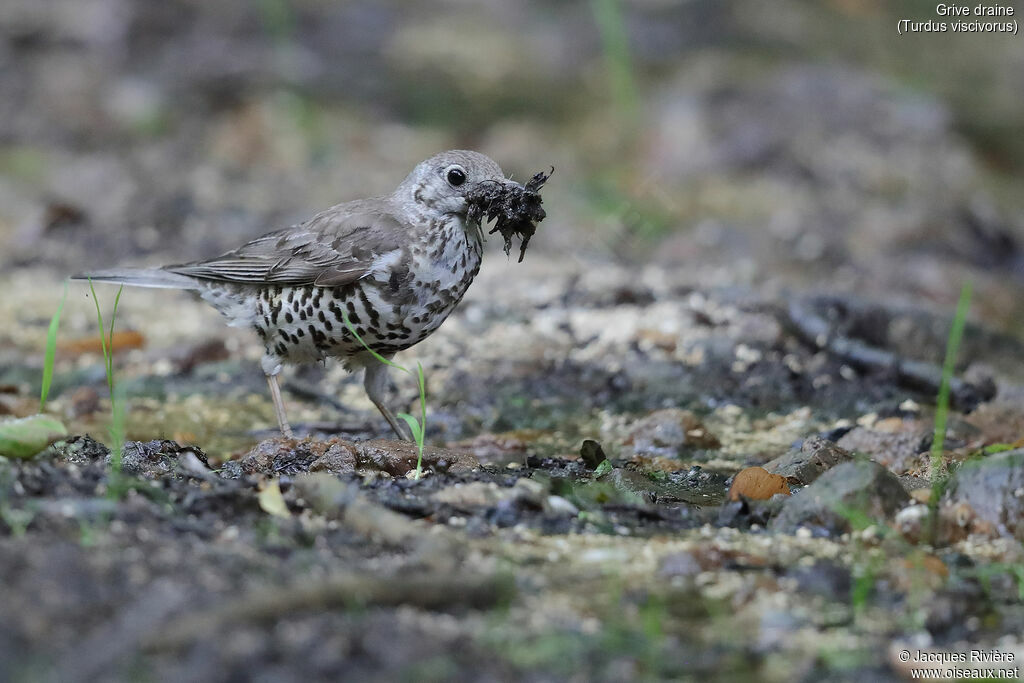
(471, 186)
(444, 182)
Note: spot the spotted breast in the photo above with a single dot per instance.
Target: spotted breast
(406, 296)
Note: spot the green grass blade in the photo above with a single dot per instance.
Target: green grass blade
(382, 359)
(117, 431)
(117, 418)
(99, 317)
(861, 589)
(414, 425)
(956, 332)
(423, 413)
(113, 317)
(615, 43)
(110, 344)
(423, 393)
(108, 357)
(51, 350)
(417, 433)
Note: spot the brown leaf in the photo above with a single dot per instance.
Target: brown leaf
(757, 483)
(128, 339)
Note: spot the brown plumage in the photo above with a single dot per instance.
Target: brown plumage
(395, 265)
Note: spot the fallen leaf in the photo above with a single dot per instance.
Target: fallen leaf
(271, 501)
(757, 483)
(126, 339)
(28, 436)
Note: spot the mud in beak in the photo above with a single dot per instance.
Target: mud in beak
(515, 209)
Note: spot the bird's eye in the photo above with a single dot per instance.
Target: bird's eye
(456, 177)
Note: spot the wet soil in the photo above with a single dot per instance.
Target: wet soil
(522, 552)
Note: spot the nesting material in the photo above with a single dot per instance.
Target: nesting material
(516, 209)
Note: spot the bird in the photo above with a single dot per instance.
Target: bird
(393, 267)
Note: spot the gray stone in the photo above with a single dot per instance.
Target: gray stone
(994, 488)
(154, 459)
(816, 456)
(898, 451)
(670, 432)
(841, 495)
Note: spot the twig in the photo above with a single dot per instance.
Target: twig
(926, 377)
(341, 591)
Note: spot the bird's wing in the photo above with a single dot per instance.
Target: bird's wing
(335, 247)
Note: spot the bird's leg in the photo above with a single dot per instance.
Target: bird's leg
(375, 382)
(275, 396)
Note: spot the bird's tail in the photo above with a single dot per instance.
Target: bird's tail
(141, 277)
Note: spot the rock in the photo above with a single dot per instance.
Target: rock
(28, 436)
(339, 458)
(956, 522)
(558, 506)
(84, 401)
(993, 488)
(83, 450)
(474, 494)
(592, 454)
(746, 513)
(670, 432)
(816, 455)
(526, 493)
(280, 456)
(827, 578)
(683, 563)
(335, 456)
(500, 449)
(1001, 420)
(399, 457)
(154, 459)
(899, 451)
(190, 461)
(334, 499)
(324, 494)
(912, 522)
(531, 491)
(757, 483)
(846, 491)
